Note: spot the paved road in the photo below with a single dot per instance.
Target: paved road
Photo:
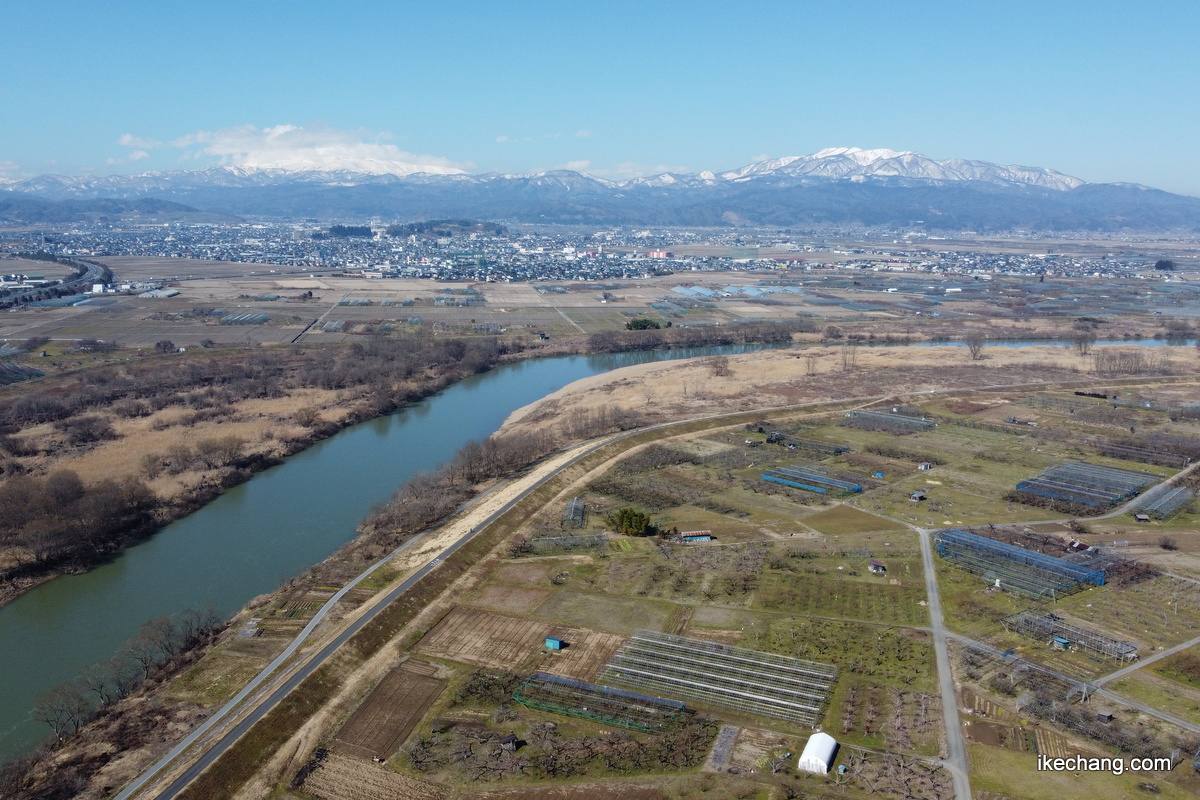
(92, 274)
(956, 745)
(956, 762)
(1142, 662)
(264, 706)
(222, 713)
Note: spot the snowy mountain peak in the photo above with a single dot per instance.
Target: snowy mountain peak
(852, 164)
(856, 164)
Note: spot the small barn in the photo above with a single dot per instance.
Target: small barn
(876, 567)
(818, 754)
(917, 496)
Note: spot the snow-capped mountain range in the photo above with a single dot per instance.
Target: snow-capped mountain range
(830, 164)
(837, 186)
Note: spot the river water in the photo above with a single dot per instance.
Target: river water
(255, 536)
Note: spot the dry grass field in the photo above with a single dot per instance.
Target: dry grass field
(606, 791)
(844, 519)
(773, 378)
(389, 714)
(344, 778)
(485, 639)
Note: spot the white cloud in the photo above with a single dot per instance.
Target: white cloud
(578, 166)
(136, 155)
(582, 133)
(9, 168)
(313, 147)
(141, 143)
(501, 139)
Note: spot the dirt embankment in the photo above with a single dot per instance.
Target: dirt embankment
(774, 378)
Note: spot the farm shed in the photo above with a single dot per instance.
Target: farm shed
(818, 754)
(917, 497)
(877, 567)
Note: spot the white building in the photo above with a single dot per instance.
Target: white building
(818, 754)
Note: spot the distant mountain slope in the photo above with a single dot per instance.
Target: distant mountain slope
(29, 210)
(836, 186)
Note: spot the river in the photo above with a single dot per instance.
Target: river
(255, 536)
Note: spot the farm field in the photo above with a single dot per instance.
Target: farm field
(1158, 613)
(605, 613)
(870, 715)
(1183, 667)
(847, 519)
(343, 778)
(1147, 687)
(873, 601)
(389, 714)
(609, 790)
(473, 636)
(1014, 774)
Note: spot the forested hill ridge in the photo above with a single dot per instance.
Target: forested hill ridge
(28, 209)
(838, 186)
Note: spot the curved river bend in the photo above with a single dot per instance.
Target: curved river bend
(250, 539)
(256, 535)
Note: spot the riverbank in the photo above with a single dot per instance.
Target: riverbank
(753, 372)
(775, 378)
(187, 430)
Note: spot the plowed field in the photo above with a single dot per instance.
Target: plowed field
(388, 715)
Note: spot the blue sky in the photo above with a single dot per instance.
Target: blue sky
(1104, 91)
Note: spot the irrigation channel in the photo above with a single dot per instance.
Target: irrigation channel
(253, 537)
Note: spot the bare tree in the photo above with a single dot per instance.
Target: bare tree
(850, 358)
(1083, 342)
(64, 708)
(720, 366)
(975, 342)
(810, 364)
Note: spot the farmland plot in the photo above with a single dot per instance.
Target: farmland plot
(343, 778)
(388, 715)
(474, 636)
